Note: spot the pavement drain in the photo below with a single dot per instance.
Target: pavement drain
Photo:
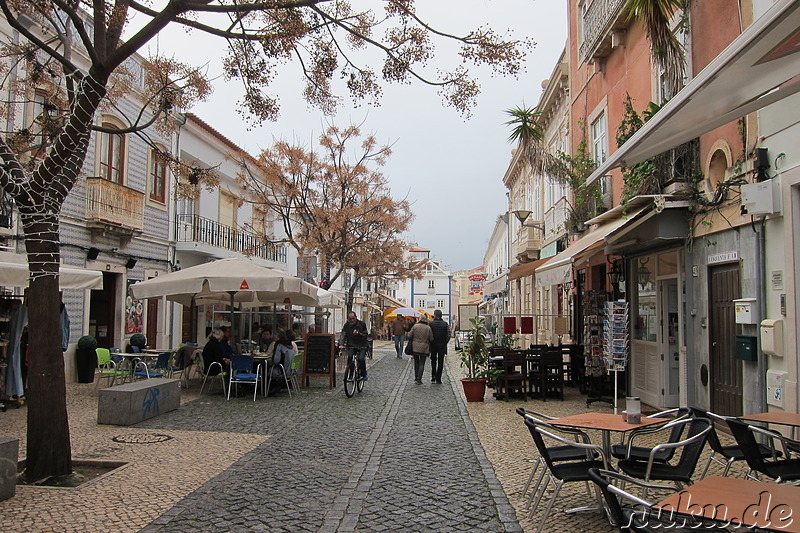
(142, 438)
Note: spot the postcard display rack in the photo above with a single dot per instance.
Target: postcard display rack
(615, 345)
(593, 305)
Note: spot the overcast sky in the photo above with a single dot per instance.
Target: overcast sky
(450, 168)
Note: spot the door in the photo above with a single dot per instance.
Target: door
(725, 369)
(102, 311)
(151, 326)
(670, 338)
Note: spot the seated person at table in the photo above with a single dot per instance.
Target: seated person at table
(266, 344)
(282, 355)
(212, 353)
(226, 343)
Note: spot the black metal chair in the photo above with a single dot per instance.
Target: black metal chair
(631, 513)
(731, 453)
(778, 469)
(557, 453)
(682, 471)
(515, 374)
(561, 472)
(642, 453)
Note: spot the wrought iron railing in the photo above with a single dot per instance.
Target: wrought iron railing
(596, 24)
(194, 228)
(113, 203)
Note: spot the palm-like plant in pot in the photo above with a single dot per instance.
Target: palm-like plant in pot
(475, 359)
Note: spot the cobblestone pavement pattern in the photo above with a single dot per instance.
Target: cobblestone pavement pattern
(397, 457)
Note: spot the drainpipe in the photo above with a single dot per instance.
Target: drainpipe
(761, 283)
(180, 120)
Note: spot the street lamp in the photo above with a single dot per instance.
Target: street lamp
(615, 274)
(522, 215)
(643, 273)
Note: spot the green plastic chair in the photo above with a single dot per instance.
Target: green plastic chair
(107, 368)
(295, 369)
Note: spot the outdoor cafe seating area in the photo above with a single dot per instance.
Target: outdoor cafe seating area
(540, 371)
(644, 471)
(248, 371)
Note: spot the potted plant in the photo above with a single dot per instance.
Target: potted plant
(475, 358)
(86, 358)
(138, 340)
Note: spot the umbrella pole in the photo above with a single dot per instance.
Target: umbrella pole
(231, 293)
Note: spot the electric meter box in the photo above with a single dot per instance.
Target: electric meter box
(772, 336)
(745, 310)
(746, 348)
(763, 198)
(775, 382)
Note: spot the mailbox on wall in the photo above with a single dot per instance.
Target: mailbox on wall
(746, 348)
(745, 310)
(772, 336)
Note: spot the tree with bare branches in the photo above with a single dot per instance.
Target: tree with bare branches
(334, 203)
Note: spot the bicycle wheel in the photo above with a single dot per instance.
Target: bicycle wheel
(350, 380)
(359, 383)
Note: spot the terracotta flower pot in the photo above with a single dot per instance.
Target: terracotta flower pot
(474, 389)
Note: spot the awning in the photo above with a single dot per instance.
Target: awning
(14, 273)
(495, 286)
(558, 269)
(393, 302)
(750, 73)
(524, 270)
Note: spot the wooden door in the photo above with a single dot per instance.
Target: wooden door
(188, 330)
(151, 327)
(725, 368)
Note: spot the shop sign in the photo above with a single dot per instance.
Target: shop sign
(725, 257)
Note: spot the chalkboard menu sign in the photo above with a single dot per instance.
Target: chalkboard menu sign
(318, 357)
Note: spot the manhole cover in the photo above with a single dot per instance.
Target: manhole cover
(142, 438)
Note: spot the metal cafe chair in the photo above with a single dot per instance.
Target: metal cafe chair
(779, 469)
(641, 453)
(561, 472)
(242, 372)
(557, 453)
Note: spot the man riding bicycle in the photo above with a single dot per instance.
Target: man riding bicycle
(355, 338)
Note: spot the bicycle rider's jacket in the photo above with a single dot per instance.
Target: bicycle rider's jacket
(356, 341)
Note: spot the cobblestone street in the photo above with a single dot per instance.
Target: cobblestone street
(397, 457)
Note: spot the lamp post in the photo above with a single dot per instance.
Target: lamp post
(522, 215)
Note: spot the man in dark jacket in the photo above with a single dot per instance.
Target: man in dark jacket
(354, 334)
(441, 335)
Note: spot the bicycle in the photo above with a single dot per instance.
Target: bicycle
(352, 374)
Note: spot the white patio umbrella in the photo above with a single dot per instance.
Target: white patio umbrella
(329, 299)
(14, 273)
(231, 279)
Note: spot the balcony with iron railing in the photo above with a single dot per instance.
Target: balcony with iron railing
(113, 207)
(600, 22)
(555, 220)
(194, 228)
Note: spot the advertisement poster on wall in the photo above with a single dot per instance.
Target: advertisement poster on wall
(134, 313)
(476, 285)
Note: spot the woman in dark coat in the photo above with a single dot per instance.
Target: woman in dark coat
(212, 353)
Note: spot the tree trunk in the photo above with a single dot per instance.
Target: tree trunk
(48, 450)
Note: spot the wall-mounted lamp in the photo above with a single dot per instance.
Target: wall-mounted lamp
(566, 286)
(615, 273)
(522, 215)
(92, 254)
(643, 273)
(131, 262)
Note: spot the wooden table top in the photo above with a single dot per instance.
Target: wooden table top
(775, 417)
(603, 421)
(731, 500)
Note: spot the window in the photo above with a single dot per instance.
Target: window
(440, 303)
(421, 302)
(599, 139)
(227, 209)
(158, 176)
(431, 284)
(112, 154)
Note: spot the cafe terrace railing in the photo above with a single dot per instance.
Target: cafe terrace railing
(114, 204)
(194, 228)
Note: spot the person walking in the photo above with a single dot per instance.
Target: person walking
(354, 334)
(441, 336)
(398, 329)
(420, 337)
